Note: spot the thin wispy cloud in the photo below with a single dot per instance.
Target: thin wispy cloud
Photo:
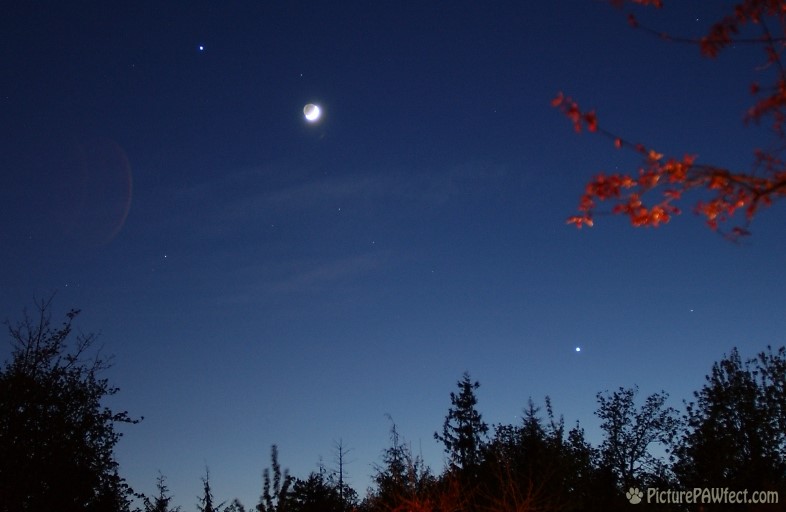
(262, 194)
(302, 277)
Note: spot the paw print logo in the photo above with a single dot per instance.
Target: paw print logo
(634, 495)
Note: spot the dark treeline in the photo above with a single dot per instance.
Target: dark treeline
(57, 444)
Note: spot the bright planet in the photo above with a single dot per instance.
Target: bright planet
(312, 112)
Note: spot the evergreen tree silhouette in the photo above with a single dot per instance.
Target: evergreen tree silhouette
(160, 503)
(276, 492)
(206, 500)
(464, 432)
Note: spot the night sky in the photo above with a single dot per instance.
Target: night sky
(261, 279)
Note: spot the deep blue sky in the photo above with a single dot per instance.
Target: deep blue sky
(280, 282)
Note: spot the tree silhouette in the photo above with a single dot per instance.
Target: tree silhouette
(347, 494)
(521, 465)
(464, 431)
(276, 492)
(318, 493)
(538, 466)
(235, 506)
(735, 435)
(56, 436)
(729, 190)
(402, 478)
(160, 503)
(206, 501)
(629, 434)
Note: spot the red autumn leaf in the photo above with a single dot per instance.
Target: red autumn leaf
(592, 121)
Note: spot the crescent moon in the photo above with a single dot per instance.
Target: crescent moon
(312, 112)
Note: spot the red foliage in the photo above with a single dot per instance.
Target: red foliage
(729, 191)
